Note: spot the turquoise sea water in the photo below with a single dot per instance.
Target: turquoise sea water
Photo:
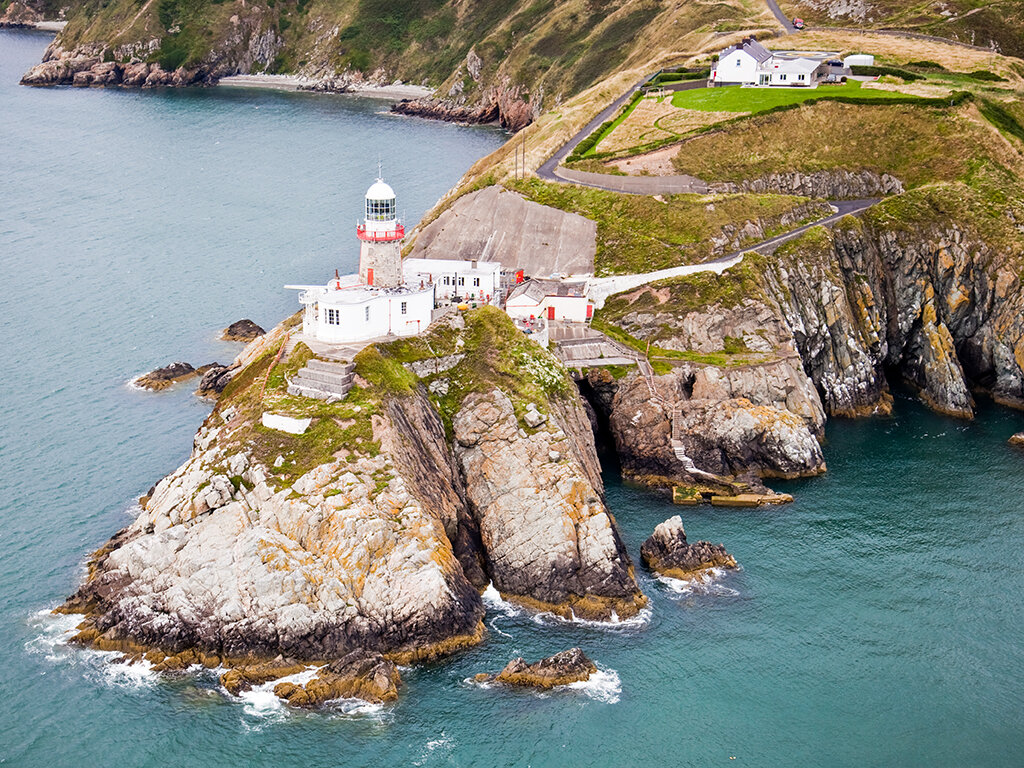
(876, 621)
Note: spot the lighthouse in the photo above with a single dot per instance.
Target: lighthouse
(376, 303)
(380, 236)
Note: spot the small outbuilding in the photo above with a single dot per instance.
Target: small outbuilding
(559, 300)
(859, 60)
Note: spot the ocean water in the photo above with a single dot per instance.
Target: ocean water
(876, 621)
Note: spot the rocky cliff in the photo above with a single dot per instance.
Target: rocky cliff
(375, 528)
(926, 287)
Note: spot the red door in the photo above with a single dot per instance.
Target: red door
(551, 313)
(369, 276)
(590, 311)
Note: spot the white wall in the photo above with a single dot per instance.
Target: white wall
(419, 307)
(385, 316)
(571, 309)
(737, 67)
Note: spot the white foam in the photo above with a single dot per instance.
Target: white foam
(493, 599)
(494, 626)
(444, 742)
(705, 582)
(261, 701)
(604, 686)
(614, 624)
(55, 630)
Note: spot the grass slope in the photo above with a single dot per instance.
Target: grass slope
(636, 233)
(735, 98)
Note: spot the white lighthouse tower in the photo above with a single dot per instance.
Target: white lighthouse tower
(376, 303)
(380, 235)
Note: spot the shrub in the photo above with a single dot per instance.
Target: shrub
(985, 76)
(865, 71)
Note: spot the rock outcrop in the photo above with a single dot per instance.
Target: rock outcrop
(214, 379)
(359, 675)
(162, 378)
(1017, 440)
(833, 184)
(502, 104)
(242, 330)
(19, 14)
(668, 553)
(225, 560)
(365, 540)
(563, 668)
(548, 539)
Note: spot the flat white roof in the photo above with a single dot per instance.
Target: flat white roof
(451, 265)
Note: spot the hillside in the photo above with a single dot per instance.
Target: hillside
(536, 52)
(995, 24)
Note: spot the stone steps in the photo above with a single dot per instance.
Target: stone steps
(322, 380)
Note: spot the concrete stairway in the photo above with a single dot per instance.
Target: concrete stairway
(322, 380)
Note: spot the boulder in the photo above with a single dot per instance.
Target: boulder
(162, 378)
(563, 668)
(359, 675)
(1017, 440)
(668, 553)
(243, 330)
(214, 378)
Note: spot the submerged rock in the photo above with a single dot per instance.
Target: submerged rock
(563, 668)
(668, 553)
(162, 378)
(242, 330)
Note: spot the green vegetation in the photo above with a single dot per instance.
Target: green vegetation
(636, 233)
(1002, 118)
(903, 74)
(918, 143)
(735, 98)
(586, 147)
(496, 355)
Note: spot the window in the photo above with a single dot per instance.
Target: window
(476, 282)
(380, 210)
(782, 77)
(799, 77)
(738, 62)
(462, 281)
(367, 312)
(446, 280)
(405, 306)
(334, 317)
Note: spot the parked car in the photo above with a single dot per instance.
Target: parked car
(798, 23)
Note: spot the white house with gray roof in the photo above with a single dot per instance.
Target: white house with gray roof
(750, 63)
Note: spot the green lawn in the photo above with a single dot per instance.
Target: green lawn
(735, 98)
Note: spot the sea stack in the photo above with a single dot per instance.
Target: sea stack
(668, 553)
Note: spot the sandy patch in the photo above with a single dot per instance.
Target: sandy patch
(657, 163)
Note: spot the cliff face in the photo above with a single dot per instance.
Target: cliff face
(926, 287)
(547, 535)
(375, 530)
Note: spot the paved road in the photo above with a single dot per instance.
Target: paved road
(600, 288)
(783, 19)
(547, 170)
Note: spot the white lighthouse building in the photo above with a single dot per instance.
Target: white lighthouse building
(376, 302)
